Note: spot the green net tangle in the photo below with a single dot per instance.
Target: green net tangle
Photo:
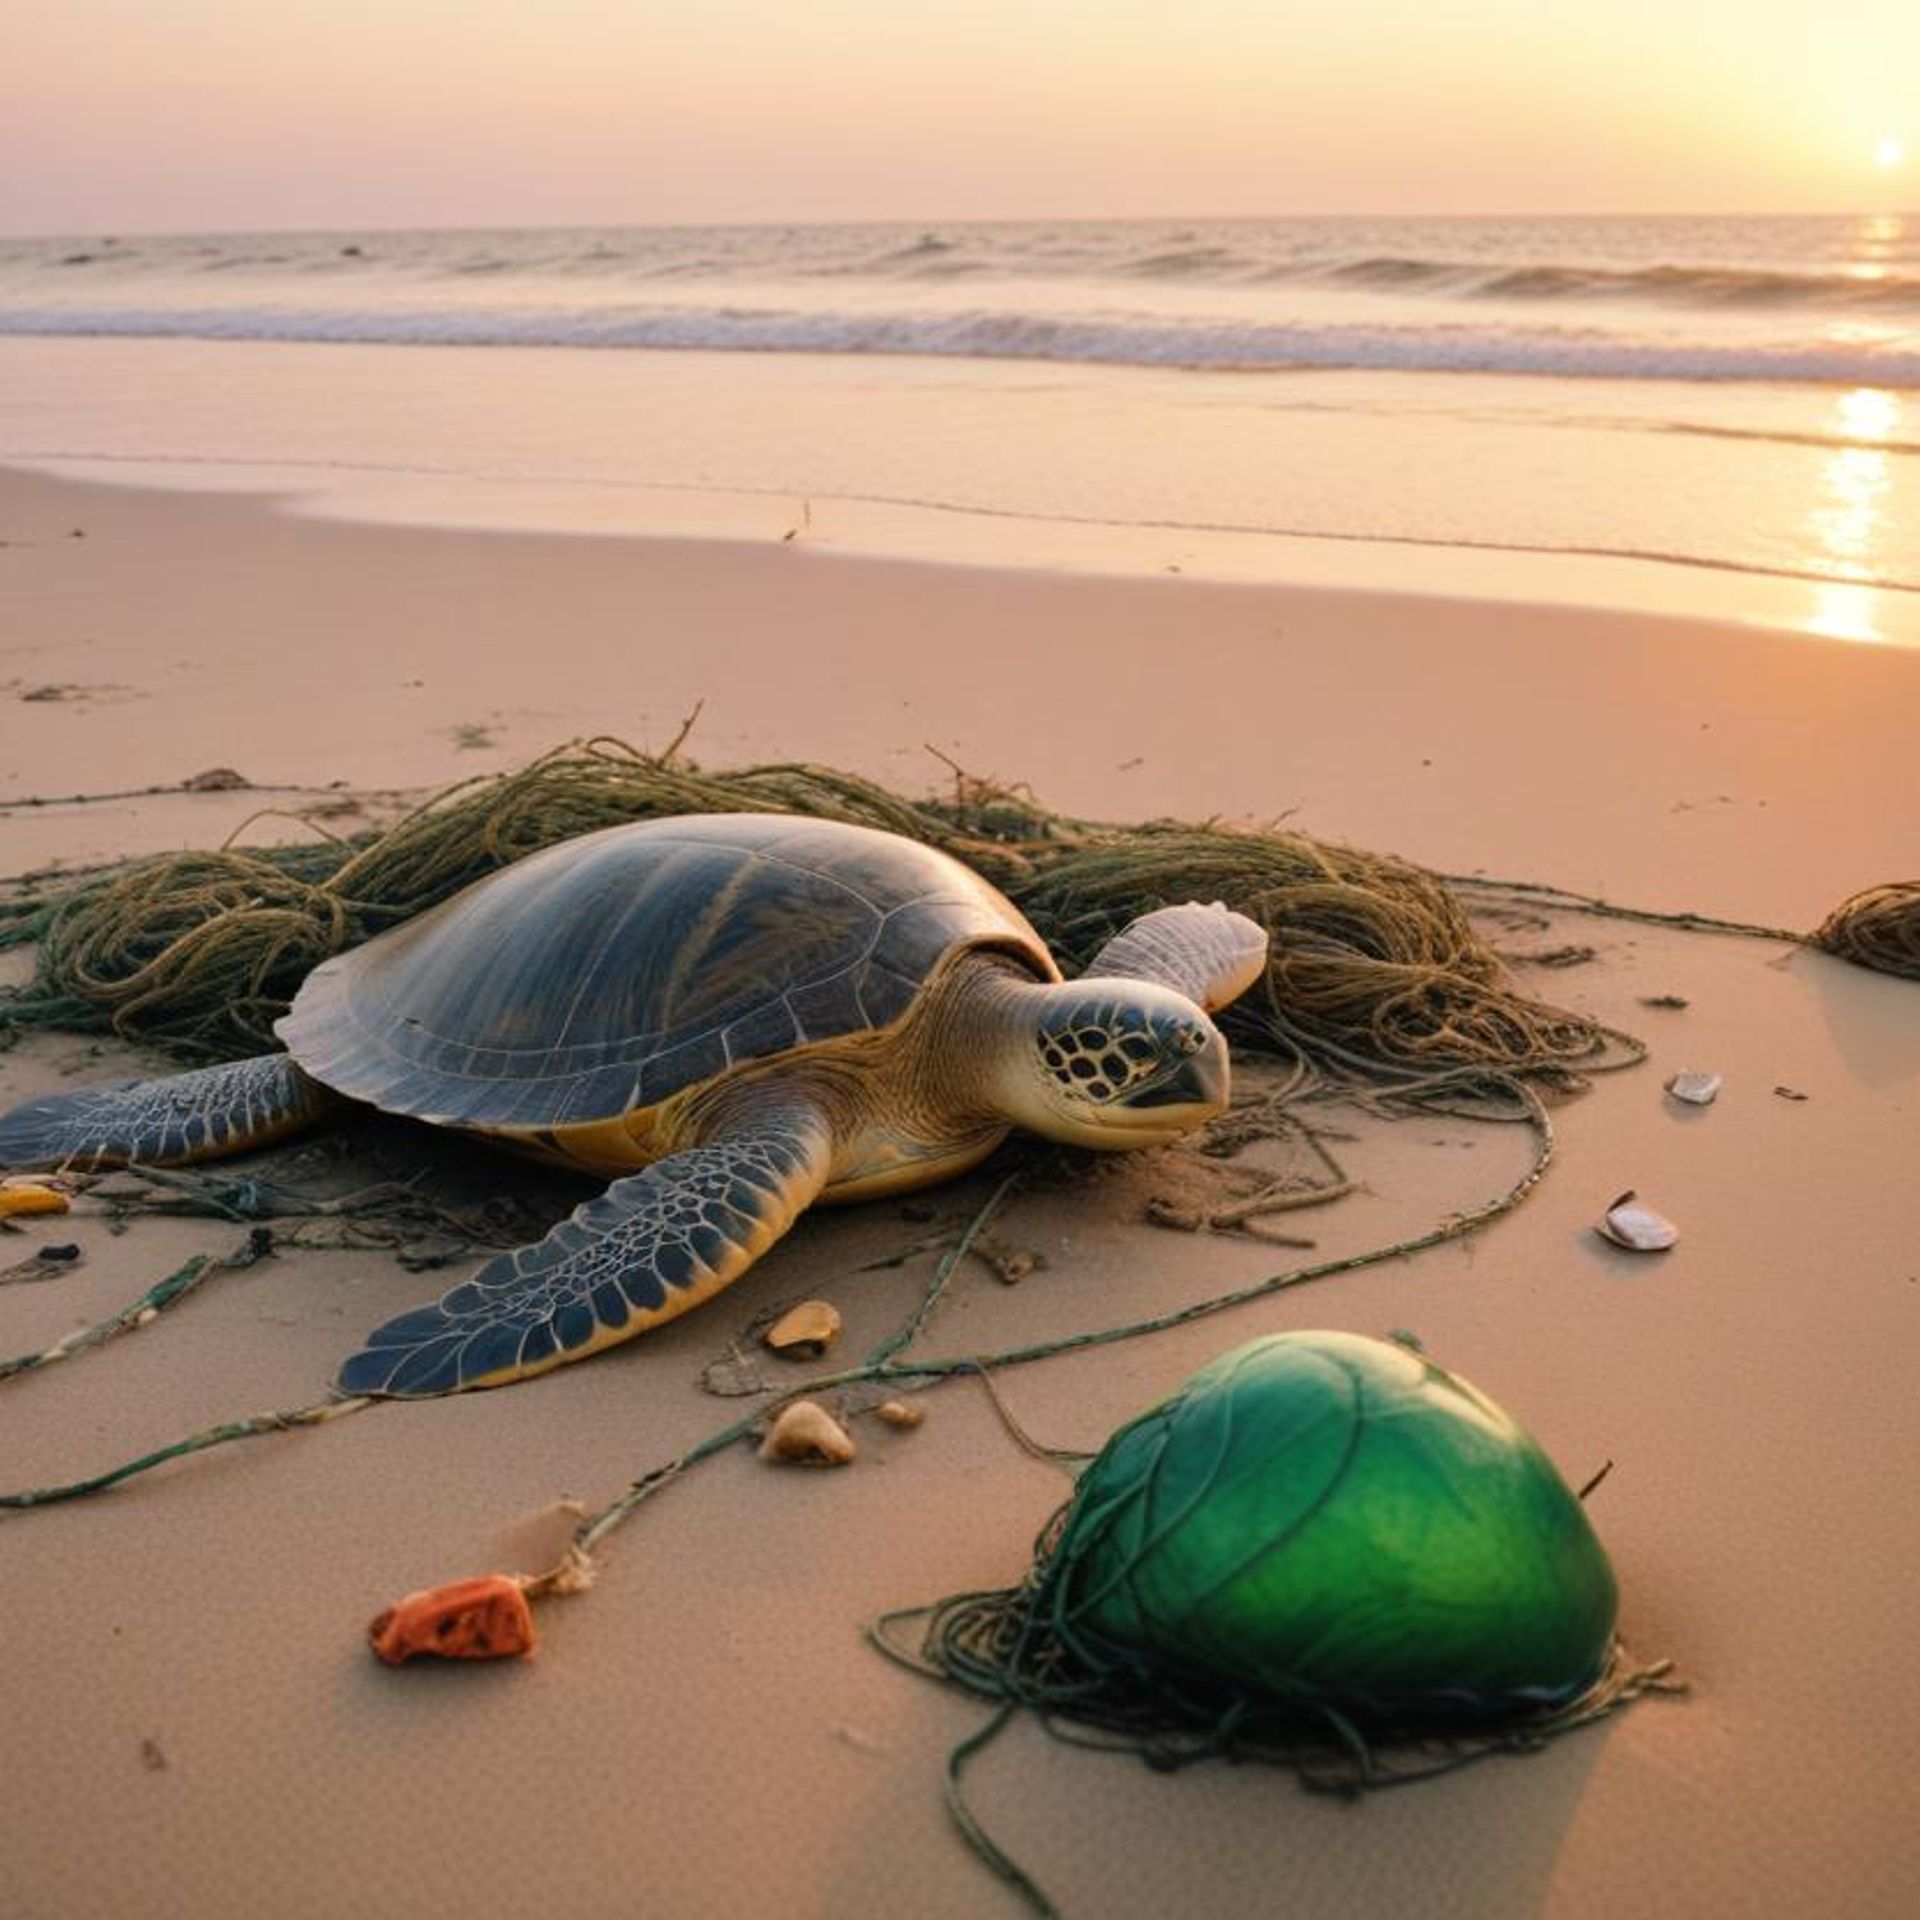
(1375, 969)
(1323, 1550)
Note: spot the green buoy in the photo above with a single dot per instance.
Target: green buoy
(1324, 1520)
(1322, 1551)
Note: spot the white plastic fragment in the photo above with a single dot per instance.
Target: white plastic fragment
(1638, 1228)
(1696, 1089)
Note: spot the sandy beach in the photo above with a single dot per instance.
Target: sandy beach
(195, 1727)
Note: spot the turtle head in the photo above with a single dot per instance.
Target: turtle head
(1119, 1063)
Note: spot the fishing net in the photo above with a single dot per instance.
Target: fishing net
(1374, 969)
(1323, 1551)
(1879, 928)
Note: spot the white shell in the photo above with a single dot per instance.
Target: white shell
(1696, 1089)
(1640, 1229)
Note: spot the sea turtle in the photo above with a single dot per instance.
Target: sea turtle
(734, 1015)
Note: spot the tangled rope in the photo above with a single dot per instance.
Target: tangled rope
(1373, 966)
(1015, 1648)
(1879, 928)
(1375, 969)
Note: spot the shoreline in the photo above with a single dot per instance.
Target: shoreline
(1770, 771)
(939, 534)
(1775, 507)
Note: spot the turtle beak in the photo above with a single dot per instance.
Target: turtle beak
(1203, 1079)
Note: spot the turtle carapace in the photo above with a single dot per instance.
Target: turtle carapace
(730, 1016)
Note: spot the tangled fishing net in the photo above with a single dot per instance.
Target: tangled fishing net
(1322, 1551)
(1879, 928)
(1374, 966)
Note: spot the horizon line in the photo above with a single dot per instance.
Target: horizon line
(106, 236)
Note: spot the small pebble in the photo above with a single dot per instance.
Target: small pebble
(804, 1332)
(1696, 1089)
(807, 1435)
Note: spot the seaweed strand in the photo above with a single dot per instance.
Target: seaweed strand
(148, 1308)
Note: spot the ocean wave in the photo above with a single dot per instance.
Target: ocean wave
(1118, 340)
(1704, 286)
(1384, 270)
(1753, 267)
(1181, 263)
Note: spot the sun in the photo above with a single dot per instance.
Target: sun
(1889, 152)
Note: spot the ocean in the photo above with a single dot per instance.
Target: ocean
(1725, 396)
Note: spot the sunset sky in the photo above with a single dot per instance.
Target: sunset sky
(124, 115)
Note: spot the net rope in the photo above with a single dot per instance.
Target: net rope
(1375, 969)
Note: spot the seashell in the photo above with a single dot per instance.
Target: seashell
(1696, 1089)
(809, 1436)
(29, 1196)
(1639, 1229)
(899, 1413)
(806, 1331)
(482, 1619)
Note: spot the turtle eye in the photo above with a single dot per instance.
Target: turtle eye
(1188, 1038)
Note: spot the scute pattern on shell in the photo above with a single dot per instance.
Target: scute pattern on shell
(607, 973)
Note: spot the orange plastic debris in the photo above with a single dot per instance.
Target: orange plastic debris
(481, 1619)
(25, 1199)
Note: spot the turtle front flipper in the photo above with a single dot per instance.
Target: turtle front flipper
(1210, 954)
(200, 1115)
(646, 1250)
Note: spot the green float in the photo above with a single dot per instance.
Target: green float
(1319, 1520)
(1323, 1551)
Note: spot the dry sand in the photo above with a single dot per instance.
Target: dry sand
(193, 1726)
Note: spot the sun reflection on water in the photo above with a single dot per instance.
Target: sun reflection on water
(1849, 518)
(1878, 236)
(1846, 613)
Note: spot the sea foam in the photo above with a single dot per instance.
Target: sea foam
(1003, 333)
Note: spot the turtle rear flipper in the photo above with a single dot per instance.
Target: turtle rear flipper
(201, 1115)
(650, 1247)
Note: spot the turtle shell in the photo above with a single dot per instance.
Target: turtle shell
(603, 975)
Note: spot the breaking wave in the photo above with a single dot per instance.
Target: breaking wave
(1820, 300)
(1002, 333)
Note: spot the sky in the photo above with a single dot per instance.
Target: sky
(179, 115)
